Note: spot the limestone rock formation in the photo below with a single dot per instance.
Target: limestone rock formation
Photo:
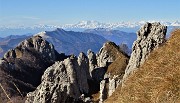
(59, 84)
(107, 54)
(22, 67)
(34, 53)
(108, 86)
(64, 82)
(83, 73)
(150, 36)
(73, 79)
(115, 71)
(113, 84)
(92, 61)
(35, 43)
(103, 91)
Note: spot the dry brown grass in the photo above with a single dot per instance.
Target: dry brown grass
(113, 50)
(118, 66)
(95, 97)
(157, 80)
(121, 60)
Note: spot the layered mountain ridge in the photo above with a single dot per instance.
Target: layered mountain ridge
(117, 36)
(67, 42)
(110, 75)
(71, 42)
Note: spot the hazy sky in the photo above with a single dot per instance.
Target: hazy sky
(58, 12)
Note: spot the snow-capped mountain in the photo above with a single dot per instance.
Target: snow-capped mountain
(96, 24)
(80, 26)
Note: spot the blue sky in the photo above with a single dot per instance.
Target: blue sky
(58, 12)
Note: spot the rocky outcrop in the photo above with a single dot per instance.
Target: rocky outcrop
(65, 81)
(33, 56)
(150, 36)
(108, 86)
(74, 79)
(92, 61)
(115, 70)
(83, 73)
(107, 54)
(113, 84)
(103, 91)
(59, 84)
(22, 67)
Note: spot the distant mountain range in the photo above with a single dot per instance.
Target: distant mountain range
(80, 26)
(70, 42)
(120, 33)
(119, 37)
(10, 42)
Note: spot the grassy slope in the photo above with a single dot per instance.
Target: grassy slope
(118, 66)
(158, 80)
(121, 60)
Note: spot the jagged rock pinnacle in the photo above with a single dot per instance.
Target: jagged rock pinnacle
(150, 36)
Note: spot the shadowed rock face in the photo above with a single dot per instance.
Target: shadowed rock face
(150, 36)
(75, 78)
(63, 82)
(24, 65)
(92, 61)
(59, 84)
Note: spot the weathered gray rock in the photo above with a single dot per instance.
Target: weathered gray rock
(59, 84)
(113, 84)
(65, 81)
(108, 86)
(25, 64)
(92, 61)
(104, 58)
(83, 73)
(150, 36)
(37, 44)
(68, 81)
(103, 91)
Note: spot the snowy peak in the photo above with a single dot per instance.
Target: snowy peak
(80, 26)
(94, 24)
(176, 23)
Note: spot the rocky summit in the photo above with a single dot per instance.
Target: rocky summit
(75, 79)
(22, 67)
(149, 37)
(157, 80)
